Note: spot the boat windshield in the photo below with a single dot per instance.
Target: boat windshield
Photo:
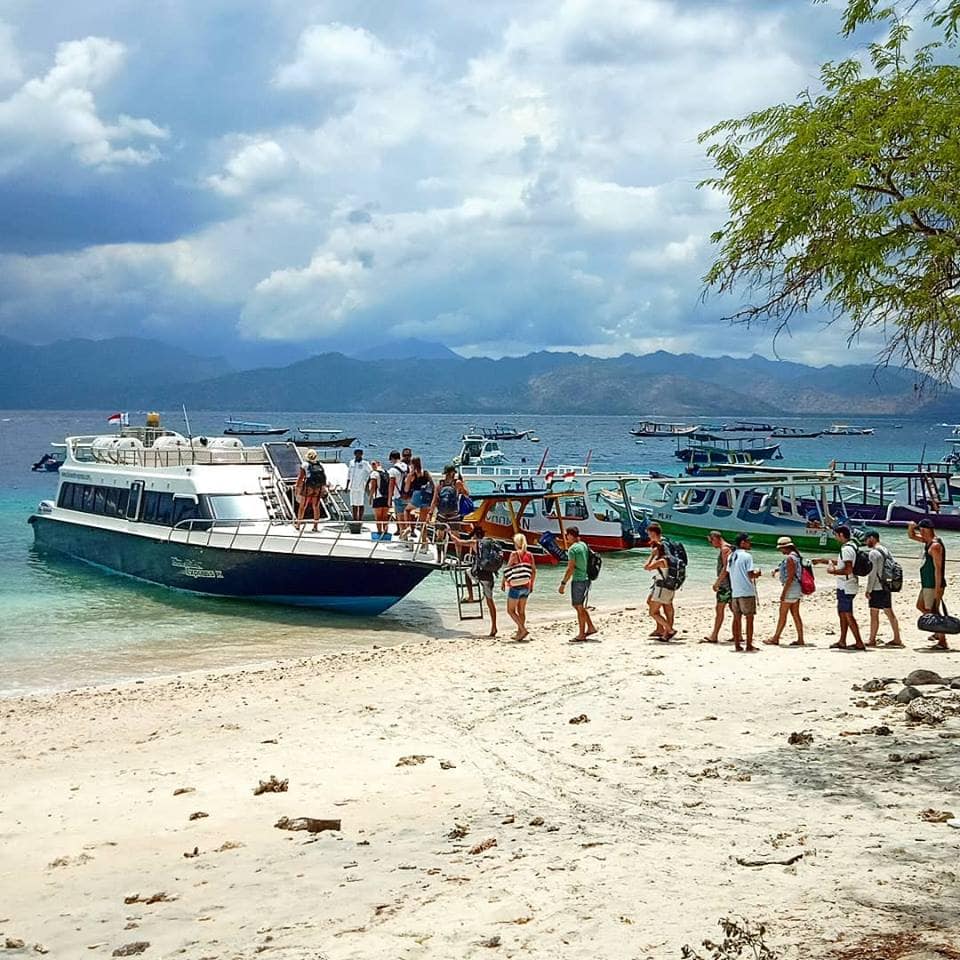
(243, 506)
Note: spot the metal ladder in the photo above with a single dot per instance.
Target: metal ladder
(278, 506)
(467, 609)
(337, 507)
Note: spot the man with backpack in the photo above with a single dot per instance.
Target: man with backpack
(882, 581)
(932, 573)
(578, 563)
(663, 588)
(485, 558)
(378, 490)
(848, 586)
(397, 474)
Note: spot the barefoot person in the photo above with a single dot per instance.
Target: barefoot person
(932, 573)
(310, 489)
(878, 597)
(358, 478)
(576, 574)
(519, 576)
(378, 490)
(789, 572)
(475, 552)
(721, 585)
(660, 600)
(743, 587)
(848, 586)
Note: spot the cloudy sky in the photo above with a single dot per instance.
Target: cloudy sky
(246, 176)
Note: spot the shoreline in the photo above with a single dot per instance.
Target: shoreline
(617, 835)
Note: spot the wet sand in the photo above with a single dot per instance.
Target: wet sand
(478, 819)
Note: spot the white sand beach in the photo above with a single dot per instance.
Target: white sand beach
(478, 819)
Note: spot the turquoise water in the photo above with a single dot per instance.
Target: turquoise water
(64, 625)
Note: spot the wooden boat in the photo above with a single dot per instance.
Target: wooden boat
(794, 433)
(797, 505)
(325, 437)
(656, 428)
(847, 430)
(748, 426)
(500, 431)
(707, 448)
(251, 428)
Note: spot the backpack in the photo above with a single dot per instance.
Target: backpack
(891, 573)
(594, 563)
(314, 476)
(383, 483)
(676, 573)
(489, 557)
(448, 501)
(808, 583)
(862, 564)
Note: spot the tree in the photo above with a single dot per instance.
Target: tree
(946, 16)
(848, 201)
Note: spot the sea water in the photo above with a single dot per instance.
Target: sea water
(64, 624)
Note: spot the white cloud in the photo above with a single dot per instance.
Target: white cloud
(256, 165)
(58, 111)
(10, 69)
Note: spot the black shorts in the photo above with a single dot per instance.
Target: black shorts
(880, 600)
(380, 503)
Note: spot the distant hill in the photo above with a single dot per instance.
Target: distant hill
(408, 349)
(127, 373)
(79, 374)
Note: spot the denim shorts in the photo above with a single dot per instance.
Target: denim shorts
(518, 593)
(421, 500)
(399, 505)
(845, 601)
(578, 592)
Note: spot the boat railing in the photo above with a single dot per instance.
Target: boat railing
(84, 450)
(201, 532)
(905, 467)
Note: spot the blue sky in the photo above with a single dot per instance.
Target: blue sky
(498, 176)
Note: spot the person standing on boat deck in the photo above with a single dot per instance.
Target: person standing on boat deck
(660, 600)
(848, 586)
(397, 474)
(788, 570)
(879, 599)
(421, 491)
(743, 589)
(378, 489)
(576, 573)
(446, 497)
(358, 477)
(519, 575)
(721, 585)
(933, 578)
(310, 488)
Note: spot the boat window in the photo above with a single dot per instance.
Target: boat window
(65, 496)
(99, 499)
(472, 448)
(133, 501)
(185, 508)
(695, 501)
(157, 507)
(606, 500)
(244, 506)
(724, 506)
(86, 499)
(110, 502)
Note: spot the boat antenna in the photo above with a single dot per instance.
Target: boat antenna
(186, 420)
(586, 463)
(543, 460)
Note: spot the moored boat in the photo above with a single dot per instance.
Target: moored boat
(707, 448)
(215, 517)
(658, 428)
(794, 433)
(251, 428)
(847, 430)
(748, 426)
(322, 437)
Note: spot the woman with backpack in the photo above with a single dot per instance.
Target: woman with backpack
(310, 488)
(446, 498)
(519, 576)
(789, 571)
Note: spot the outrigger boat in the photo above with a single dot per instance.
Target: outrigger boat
(748, 426)
(797, 505)
(323, 437)
(847, 430)
(707, 448)
(794, 433)
(500, 431)
(251, 428)
(656, 428)
(214, 517)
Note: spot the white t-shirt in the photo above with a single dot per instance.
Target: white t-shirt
(358, 476)
(740, 566)
(850, 585)
(396, 473)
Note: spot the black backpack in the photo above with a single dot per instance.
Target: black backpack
(448, 500)
(862, 564)
(675, 575)
(383, 483)
(314, 476)
(594, 564)
(489, 556)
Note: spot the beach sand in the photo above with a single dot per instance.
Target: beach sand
(478, 819)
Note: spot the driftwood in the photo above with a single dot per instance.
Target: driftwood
(310, 824)
(770, 863)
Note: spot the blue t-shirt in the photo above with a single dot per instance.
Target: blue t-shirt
(739, 566)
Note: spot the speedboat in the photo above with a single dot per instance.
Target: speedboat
(215, 517)
(49, 462)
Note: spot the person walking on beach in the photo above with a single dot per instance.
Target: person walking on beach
(576, 574)
(397, 473)
(358, 476)
(660, 599)
(743, 589)
(788, 570)
(933, 579)
(721, 585)
(310, 488)
(378, 490)
(848, 586)
(519, 576)
(878, 597)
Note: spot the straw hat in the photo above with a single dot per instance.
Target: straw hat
(312, 456)
(784, 542)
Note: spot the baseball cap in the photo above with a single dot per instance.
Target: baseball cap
(870, 533)
(925, 524)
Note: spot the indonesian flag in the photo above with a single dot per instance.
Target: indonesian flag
(569, 474)
(548, 477)
(117, 418)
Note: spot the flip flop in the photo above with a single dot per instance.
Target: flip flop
(708, 640)
(890, 645)
(577, 640)
(771, 643)
(796, 643)
(838, 646)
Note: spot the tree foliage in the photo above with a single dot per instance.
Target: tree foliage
(945, 16)
(848, 200)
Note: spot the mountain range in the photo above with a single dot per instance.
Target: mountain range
(125, 373)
